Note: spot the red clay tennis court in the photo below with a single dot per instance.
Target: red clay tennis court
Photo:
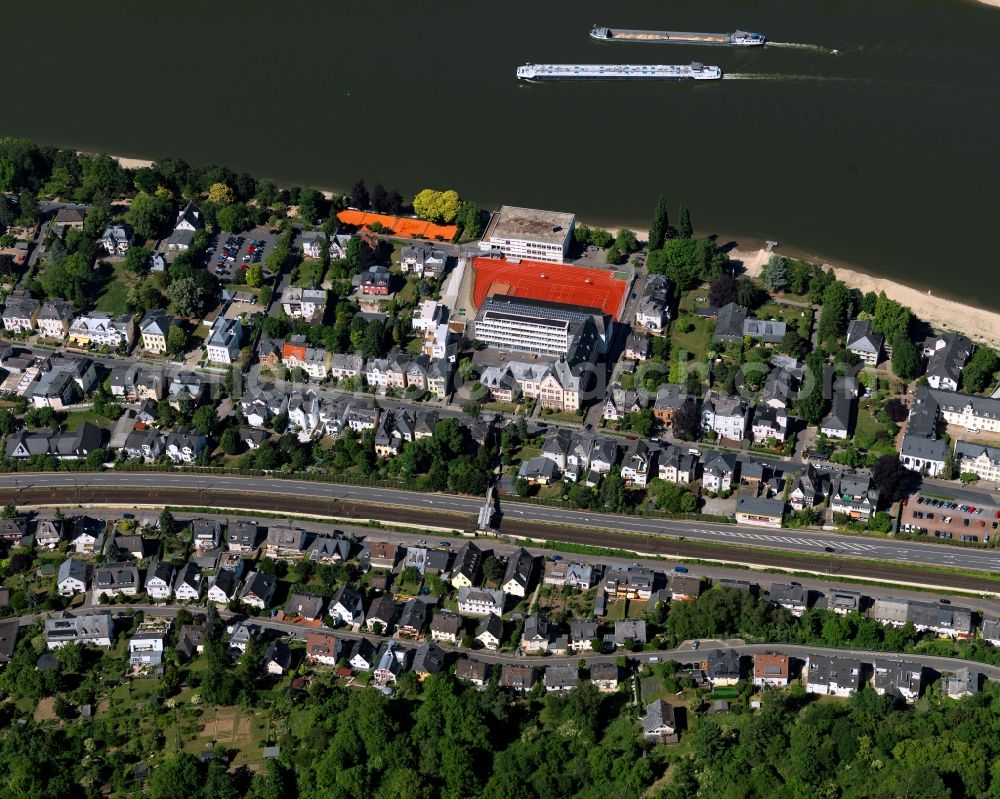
(538, 280)
(401, 226)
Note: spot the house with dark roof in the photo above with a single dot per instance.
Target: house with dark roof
(471, 670)
(947, 355)
(729, 323)
(854, 494)
(258, 590)
(759, 511)
(864, 341)
(306, 606)
(489, 633)
(519, 574)
(659, 723)
(832, 676)
(517, 678)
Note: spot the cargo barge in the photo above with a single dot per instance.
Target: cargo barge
(547, 72)
(735, 39)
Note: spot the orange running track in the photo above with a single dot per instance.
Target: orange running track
(537, 280)
(401, 226)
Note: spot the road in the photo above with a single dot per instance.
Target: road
(684, 653)
(888, 551)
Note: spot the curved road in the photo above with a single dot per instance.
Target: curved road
(803, 541)
(682, 654)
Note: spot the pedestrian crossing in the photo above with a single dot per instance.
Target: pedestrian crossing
(840, 546)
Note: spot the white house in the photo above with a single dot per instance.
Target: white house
(725, 416)
(160, 579)
(223, 342)
(72, 577)
(187, 586)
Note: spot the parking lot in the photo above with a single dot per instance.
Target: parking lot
(230, 254)
(950, 519)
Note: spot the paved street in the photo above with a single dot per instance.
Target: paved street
(843, 546)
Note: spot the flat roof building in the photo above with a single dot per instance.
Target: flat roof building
(519, 324)
(529, 233)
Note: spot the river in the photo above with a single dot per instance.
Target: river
(882, 154)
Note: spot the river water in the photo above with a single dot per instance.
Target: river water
(882, 154)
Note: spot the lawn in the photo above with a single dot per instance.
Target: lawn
(617, 610)
(76, 418)
(308, 274)
(867, 425)
(114, 293)
(409, 294)
(694, 341)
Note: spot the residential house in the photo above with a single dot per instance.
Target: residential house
(160, 579)
(637, 347)
(116, 239)
(241, 536)
(606, 676)
(187, 586)
(428, 659)
(854, 495)
(189, 218)
(446, 627)
(304, 606)
(382, 615)
(725, 416)
(20, 314)
(54, 319)
(323, 648)
(68, 446)
(964, 682)
(538, 470)
(185, 386)
(327, 549)
(517, 678)
(537, 634)
(722, 667)
(678, 466)
(71, 579)
(343, 367)
(363, 655)
(574, 575)
(146, 445)
(191, 639)
(519, 574)
(947, 354)
(206, 533)
(561, 678)
(947, 621)
(115, 579)
(284, 542)
(582, 634)
(769, 424)
(375, 281)
(770, 669)
(277, 658)
(383, 555)
(468, 563)
(224, 339)
(794, 598)
(684, 587)
(314, 361)
(473, 671)
(631, 582)
(241, 634)
(653, 310)
(346, 606)
(489, 633)
(659, 723)
(629, 630)
(183, 446)
(224, 587)
(982, 460)
(842, 602)
(637, 462)
(313, 242)
(306, 304)
(864, 341)
(93, 629)
(423, 260)
(809, 489)
(838, 423)
(898, 679)
(102, 330)
(258, 590)
(413, 618)
(759, 511)
(719, 472)
(70, 218)
(145, 647)
(832, 676)
(480, 601)
(153, 330)
(48, 533)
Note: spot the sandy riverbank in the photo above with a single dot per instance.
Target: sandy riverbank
(940, 312)
(978, 324)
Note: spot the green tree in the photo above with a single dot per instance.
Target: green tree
(470, 219)
(834, 313)
(255, 275)
(978, 373)
(220, 194)
(906, 362)
(892, 319)
(659, 227)
(812, 405)
(438, 206)
(149, 214)
(310, 205)
(684, 228)
(775, 273)
(230, 441)
(167, 524)
(187, 297)
(176, 778)
(626, 241)
(177, 339)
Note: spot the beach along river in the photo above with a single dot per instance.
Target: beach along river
(866, 133)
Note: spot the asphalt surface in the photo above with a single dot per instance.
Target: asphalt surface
(684, 653)
(889, 551)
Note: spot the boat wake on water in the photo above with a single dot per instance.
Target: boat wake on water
(816, 48)
(784, 78)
